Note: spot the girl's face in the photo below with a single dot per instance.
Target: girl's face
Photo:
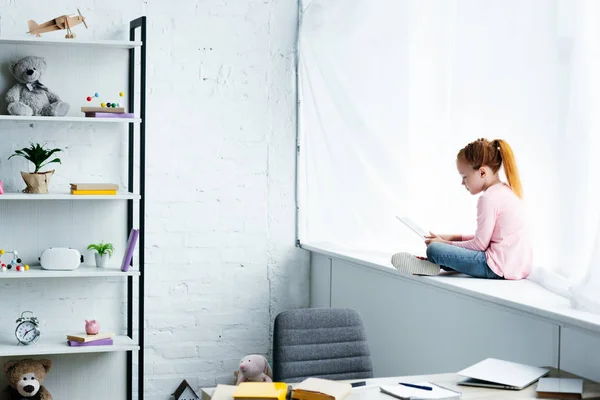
(473, 180)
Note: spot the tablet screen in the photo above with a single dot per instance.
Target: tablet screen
(413, 227)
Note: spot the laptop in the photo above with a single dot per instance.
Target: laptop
(501, 374)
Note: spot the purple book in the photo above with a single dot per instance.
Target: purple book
(109, 115)
(101, 342)
(133, 236)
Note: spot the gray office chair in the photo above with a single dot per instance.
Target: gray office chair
(324, 343)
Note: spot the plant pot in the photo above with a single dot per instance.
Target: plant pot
(37, 182)
(101, 260)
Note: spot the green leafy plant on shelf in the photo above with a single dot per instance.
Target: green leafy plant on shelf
(39, 156)
(103, 252)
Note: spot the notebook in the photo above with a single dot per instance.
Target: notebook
(261, 390)
(320, 389)
(405, 392)
(560, 388)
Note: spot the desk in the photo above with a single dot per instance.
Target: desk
(591, 389)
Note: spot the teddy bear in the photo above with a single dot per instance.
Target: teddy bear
(26, 378)
(29, 96)
(254, 368)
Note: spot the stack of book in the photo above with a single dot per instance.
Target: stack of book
(83, 339)
(320, 389)
(94, 188)
(106, 112)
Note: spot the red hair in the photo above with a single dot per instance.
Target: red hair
(493, 154)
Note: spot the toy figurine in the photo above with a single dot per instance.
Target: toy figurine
(14, 262)
(56, 24)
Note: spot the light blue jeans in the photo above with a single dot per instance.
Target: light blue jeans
(454, 258)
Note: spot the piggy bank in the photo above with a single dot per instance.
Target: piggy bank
(91, 327)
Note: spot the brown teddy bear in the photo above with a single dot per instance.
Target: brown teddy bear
(26, 378)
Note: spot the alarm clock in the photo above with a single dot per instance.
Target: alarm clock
(28, 329)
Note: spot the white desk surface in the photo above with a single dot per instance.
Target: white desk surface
(591, 389)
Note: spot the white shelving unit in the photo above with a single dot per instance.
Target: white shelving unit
(19, 118)
(41, 41)
(58, 345)
(129, 365)
(68, 196)
(36, 271)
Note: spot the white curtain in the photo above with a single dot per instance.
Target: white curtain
(390, 90)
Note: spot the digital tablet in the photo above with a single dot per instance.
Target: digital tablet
(413, 227)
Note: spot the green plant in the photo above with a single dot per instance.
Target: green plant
(38, 155)
(102, 248)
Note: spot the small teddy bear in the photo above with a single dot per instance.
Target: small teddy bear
(29, 96)
(26, 378)
(254, 368)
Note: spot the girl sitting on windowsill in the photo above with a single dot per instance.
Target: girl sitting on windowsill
(501, 247)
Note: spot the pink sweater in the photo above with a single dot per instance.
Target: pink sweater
(502, 233)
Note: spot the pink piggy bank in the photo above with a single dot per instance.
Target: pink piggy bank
(91, 327)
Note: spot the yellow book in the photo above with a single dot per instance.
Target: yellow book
(261, 390)
(93, 192)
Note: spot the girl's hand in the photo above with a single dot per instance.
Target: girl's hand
(432, 238)
(446, 237)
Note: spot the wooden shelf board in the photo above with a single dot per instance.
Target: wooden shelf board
(58, 345)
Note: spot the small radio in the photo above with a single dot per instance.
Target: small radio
(61, 258)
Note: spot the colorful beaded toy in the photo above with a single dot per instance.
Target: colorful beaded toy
(106, 104)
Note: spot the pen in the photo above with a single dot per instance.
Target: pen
(416, 386)
(358, 384)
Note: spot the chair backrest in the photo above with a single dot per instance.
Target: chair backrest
(324, 343)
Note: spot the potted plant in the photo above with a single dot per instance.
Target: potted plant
(36, 181)
(103, 252)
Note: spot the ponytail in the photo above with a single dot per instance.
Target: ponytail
(493, 154)
(510, 166)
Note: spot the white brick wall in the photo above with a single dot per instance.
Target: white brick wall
(220, 204)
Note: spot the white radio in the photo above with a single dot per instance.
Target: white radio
(60, 258)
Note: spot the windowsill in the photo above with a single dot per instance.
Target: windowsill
(524, 295)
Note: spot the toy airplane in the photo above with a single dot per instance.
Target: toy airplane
(56, 24)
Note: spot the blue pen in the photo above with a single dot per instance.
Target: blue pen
(416, 386)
